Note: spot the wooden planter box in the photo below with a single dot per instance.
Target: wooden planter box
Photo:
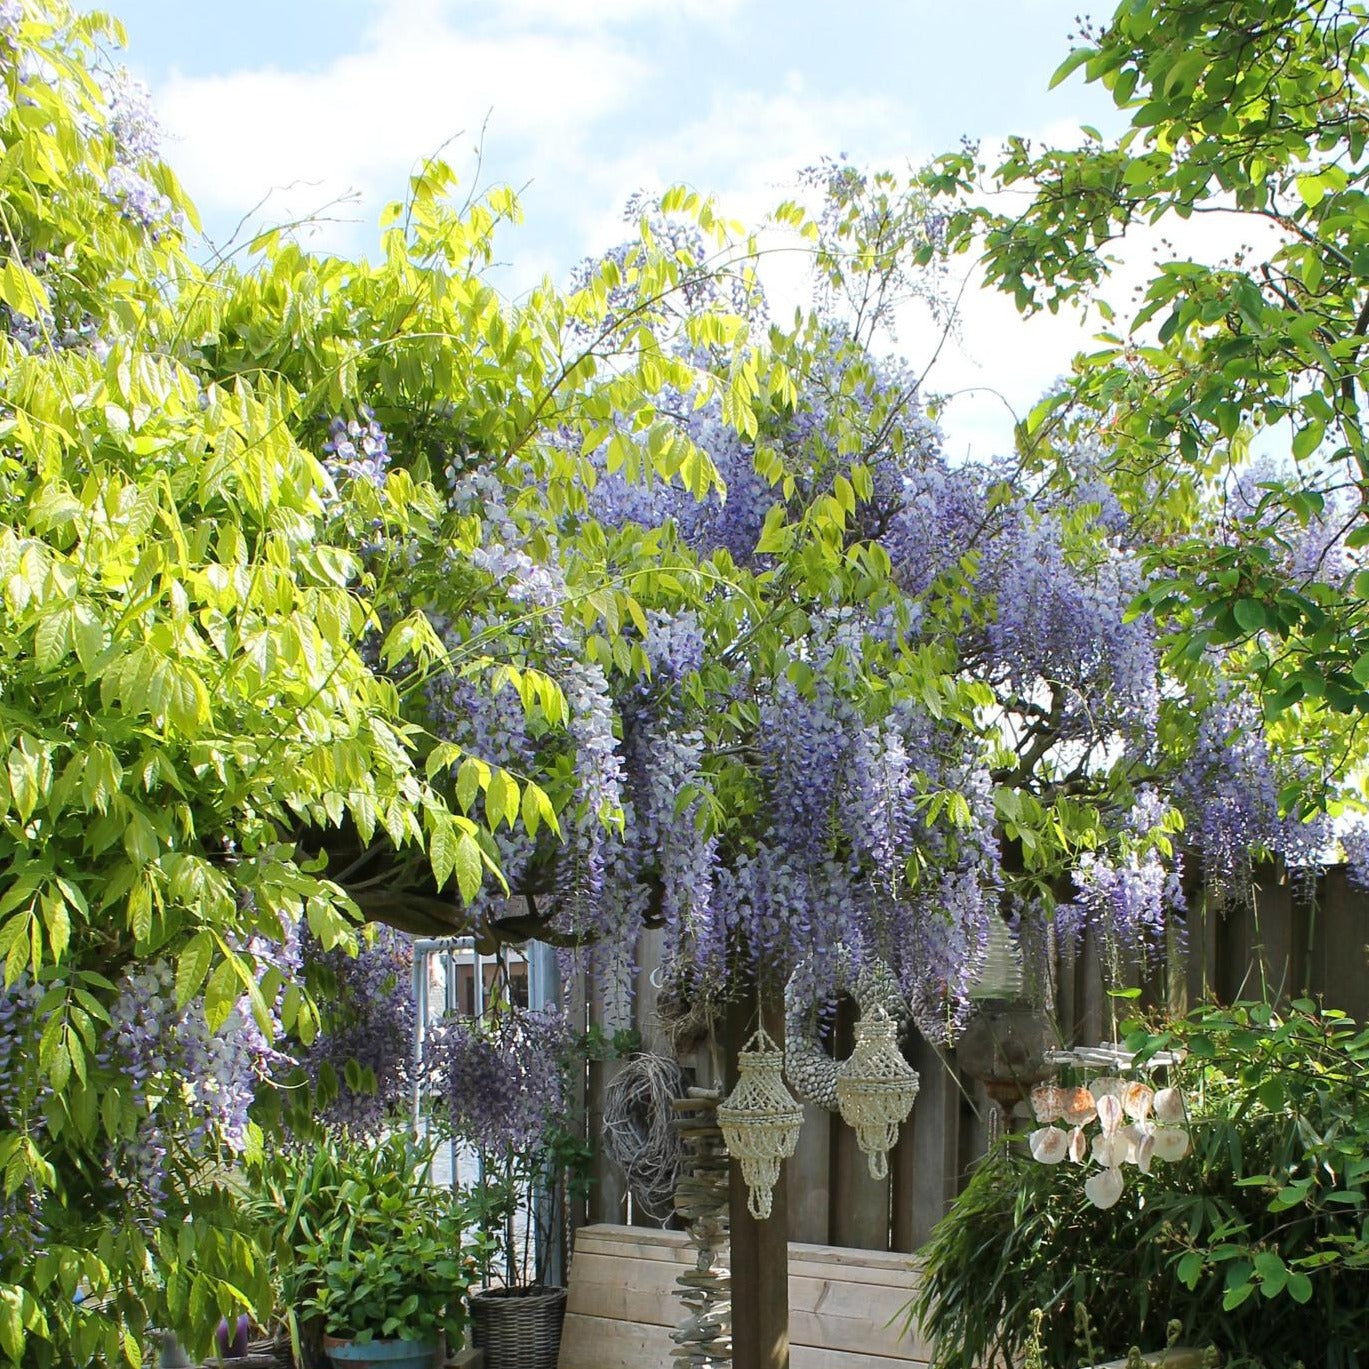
(844, 1305)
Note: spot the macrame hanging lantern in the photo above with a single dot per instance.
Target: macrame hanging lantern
(876, 1088)
(760, 1121)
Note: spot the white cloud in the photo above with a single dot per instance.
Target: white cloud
(562, 83)
(597, 14)
(747, 148)
(363, 122)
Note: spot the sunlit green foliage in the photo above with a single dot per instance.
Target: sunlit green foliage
(203, 670)
(1252, 116)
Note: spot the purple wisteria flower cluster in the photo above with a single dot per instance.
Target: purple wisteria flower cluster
(1308, 551)
(792, 774)
(492, 725)
(357, 448)
(11, 17)
(732, 524)
(190, 1088)
(1354, 841)
(501, 1082)
(136, 133)
(1229, 787)
(1066, 625)
(363, 1055)
(183, 1091)
(1128, 895)
(851, 836)
(63, 331)
(20, 1030)
(703, 277)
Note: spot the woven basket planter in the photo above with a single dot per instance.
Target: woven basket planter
(518, 1328)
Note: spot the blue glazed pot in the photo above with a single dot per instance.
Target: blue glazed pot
(380, 1354)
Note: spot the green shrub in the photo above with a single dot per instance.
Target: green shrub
(1256, 1242)
(363, 1245)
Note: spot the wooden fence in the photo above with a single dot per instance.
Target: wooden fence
(1287, 943)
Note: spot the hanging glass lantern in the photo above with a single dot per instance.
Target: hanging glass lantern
(1001, 974)
(876, 1087)
(760, 1121)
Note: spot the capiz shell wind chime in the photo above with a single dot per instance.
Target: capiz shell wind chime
(876, 1089)
(760, 1120)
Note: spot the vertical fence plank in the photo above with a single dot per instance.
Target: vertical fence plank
(1306, 900)
(935, 1127)
(1342, 935)
(760, 1250)
(1176, 989)
(1093, 1020)
(644, 999)
(975, 1109)
(1204, 924)
(810, 1197)
(903, 1186)
(608, 1194)
(860, 1204)
(1237, 975)
(577, 1008)
(1066, 957)
(1274, 968)
(654, 1041)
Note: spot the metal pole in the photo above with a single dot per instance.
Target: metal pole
(478, 1003)
(420, 978)
(544, 991)
(453, 1006)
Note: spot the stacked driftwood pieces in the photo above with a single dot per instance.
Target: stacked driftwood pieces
(704, 1338)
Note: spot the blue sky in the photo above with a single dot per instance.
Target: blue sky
(578, 103)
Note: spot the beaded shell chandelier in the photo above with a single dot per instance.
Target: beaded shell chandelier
(760, 1121)
(876, 1088)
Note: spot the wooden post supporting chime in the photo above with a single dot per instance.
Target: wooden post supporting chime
(760, 1250)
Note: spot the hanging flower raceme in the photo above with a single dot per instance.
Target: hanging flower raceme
(363, 1056)
(499, 1083)
(1136, 1125)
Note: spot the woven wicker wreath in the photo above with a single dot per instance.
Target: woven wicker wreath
(811, 1072)
(638, 1132)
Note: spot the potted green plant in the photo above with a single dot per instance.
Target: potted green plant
(386, 1291)
(500, 1084)
(516, 1316)
(368, 1252)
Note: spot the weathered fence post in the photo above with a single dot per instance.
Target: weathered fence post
(760, 1250)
